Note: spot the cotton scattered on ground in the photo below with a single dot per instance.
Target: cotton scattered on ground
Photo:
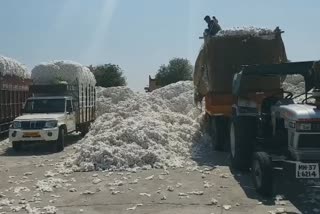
(47, 185)
(140, 130)
(21, 189)
(50, 210)
(226, 207)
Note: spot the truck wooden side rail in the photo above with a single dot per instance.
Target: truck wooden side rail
(13, 93)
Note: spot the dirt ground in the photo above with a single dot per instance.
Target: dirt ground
(209, 188)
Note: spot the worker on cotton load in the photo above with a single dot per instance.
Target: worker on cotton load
(213, 26)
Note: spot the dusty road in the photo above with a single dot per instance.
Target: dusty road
(31, 180)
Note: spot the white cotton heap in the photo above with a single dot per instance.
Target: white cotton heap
(296, 85)
(12, 67)
(57, 71)
(247, 31)
(158, 129)
(133, 129)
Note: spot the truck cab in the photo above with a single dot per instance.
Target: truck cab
(44, 119)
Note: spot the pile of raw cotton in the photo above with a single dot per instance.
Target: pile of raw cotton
(141, 130)
(57, 71)
(295, 84)
(246, 31)
(12, 67)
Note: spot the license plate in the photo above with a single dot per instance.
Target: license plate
(307, 170)
(31, 134)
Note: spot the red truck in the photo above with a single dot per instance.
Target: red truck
(14, 90)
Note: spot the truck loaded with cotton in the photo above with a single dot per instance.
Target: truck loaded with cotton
(14, 90)
(250, 110)
(62, 102)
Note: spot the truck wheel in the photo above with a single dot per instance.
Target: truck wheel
(85, 130)
(60, 141)
(242, 135)
(262, 173)
(16, 146)
(218, 133)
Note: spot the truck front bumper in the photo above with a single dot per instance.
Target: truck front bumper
(305, 154)
(50, 134)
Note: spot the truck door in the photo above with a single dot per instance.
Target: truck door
(71, 119)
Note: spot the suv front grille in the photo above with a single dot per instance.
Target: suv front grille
(33, 124)
(309, 141)
(315, 126)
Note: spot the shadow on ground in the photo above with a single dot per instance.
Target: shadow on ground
(39, 148)
(303, 194)
(203, 155)
(202, 151)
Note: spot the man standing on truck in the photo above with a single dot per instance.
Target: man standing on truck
(213, 26)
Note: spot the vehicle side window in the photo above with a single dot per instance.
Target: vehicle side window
(69, 105)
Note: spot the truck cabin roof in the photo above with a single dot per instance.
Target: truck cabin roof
(291, 68)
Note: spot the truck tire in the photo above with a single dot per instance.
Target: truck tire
(84, 129)
(261, 171)
(218, 132)
(60, 141)
(16, 146)
(242, 135)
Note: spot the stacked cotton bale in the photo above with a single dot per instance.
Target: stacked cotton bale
(57, 71)
(11, 67)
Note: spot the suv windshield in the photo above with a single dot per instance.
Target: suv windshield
(45, 106)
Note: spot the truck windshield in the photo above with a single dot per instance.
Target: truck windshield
(45, 106)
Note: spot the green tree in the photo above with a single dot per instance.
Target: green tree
(178, 69)
(108, 75)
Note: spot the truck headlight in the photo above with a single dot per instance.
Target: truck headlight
(16, 125)
(303, 126)
(51, 124)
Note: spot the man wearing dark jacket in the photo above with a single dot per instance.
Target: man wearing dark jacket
(213, 26)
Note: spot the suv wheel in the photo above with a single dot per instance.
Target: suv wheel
(60, 141)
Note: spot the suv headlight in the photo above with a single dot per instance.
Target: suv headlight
(303, 126)
(16, 125)
(51, 124)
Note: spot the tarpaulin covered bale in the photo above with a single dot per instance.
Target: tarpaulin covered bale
(223, 54)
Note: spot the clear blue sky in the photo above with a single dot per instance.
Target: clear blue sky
(140, 35)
